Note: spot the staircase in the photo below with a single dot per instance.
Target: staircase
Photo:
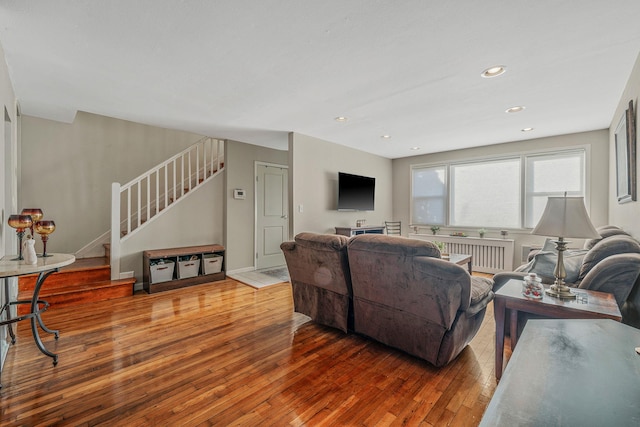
(133, 206)
(139, 202)
(86, 280)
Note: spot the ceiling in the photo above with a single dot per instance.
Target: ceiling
(254, 70)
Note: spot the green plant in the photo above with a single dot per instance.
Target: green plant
(434, 229)
(482, 232)
(440, 245)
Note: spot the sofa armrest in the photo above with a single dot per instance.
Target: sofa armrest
(481, 295)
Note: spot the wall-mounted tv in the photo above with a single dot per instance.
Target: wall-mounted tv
(355, 192)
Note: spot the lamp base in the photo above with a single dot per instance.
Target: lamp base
(560, 291)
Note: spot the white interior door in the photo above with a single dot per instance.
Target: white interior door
(272, 214)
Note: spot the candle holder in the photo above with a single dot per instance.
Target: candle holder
(44, 228)
(20, 222)
(35, 214)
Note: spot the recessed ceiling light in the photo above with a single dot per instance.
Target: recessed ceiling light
(515, 109)
(385, 136)
(526, 129)
(340, 119)
(415, 148)
(494, 71)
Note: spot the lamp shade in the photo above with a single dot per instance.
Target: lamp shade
(566, 217)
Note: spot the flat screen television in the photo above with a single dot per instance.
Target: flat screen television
(355, 192)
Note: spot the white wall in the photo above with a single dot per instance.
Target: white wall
(598, 167)
(67, 170)
(240, 223)
(313, 182)
(624, 215)
(9, 170)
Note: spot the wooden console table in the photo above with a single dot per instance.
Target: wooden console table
(509, 299)
(45, 266)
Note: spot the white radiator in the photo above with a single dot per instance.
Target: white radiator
(488, 255)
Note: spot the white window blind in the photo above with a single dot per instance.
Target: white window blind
(495, 193)
(429, 195)
(486, 194)
(552, 175)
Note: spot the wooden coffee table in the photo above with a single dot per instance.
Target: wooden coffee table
(461, 259)
(509, 300)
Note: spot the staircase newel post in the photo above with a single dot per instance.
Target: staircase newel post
(115, 231)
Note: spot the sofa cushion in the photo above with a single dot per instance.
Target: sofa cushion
(544, 263)
(617, 244)
(604, 232)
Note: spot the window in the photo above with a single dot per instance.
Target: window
(509, 192)
(552, 175)
(486, 194)
(429, 195)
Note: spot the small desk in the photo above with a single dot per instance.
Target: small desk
(461, 259)
(570, 373)
(45, 266)
(509, 298)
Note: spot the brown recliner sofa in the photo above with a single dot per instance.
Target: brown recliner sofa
(608, 264)
(395, 290)
(407, 297)
(319, 273)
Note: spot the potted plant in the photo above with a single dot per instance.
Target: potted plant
(441, 246)
(434, 229)
(482, 232)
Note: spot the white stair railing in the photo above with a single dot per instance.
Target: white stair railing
(139, 201)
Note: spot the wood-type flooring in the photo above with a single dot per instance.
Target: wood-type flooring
(228, 354)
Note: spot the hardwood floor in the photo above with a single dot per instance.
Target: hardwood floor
(227, 354)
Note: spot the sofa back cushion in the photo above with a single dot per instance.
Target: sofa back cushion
(616, 244)
(319, 260)
(604, 232)
(407, 275)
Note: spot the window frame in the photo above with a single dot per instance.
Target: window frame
(523, 156)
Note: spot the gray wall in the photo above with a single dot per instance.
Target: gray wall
(624, 215)
(240, 217)
(313, 183)
(67, 169)
(597, 179)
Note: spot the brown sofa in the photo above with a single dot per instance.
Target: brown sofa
(319, 273)
(404, 295)
(609, 264)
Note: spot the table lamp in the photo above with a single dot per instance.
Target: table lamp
(564, 217)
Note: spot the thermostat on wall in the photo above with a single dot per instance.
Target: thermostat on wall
(238, 194)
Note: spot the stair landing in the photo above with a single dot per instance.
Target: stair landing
(84, 281)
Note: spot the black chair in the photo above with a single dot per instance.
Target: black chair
(393, 227)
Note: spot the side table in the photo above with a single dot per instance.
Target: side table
(461, 260)
(45, 266)
(509, 299)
